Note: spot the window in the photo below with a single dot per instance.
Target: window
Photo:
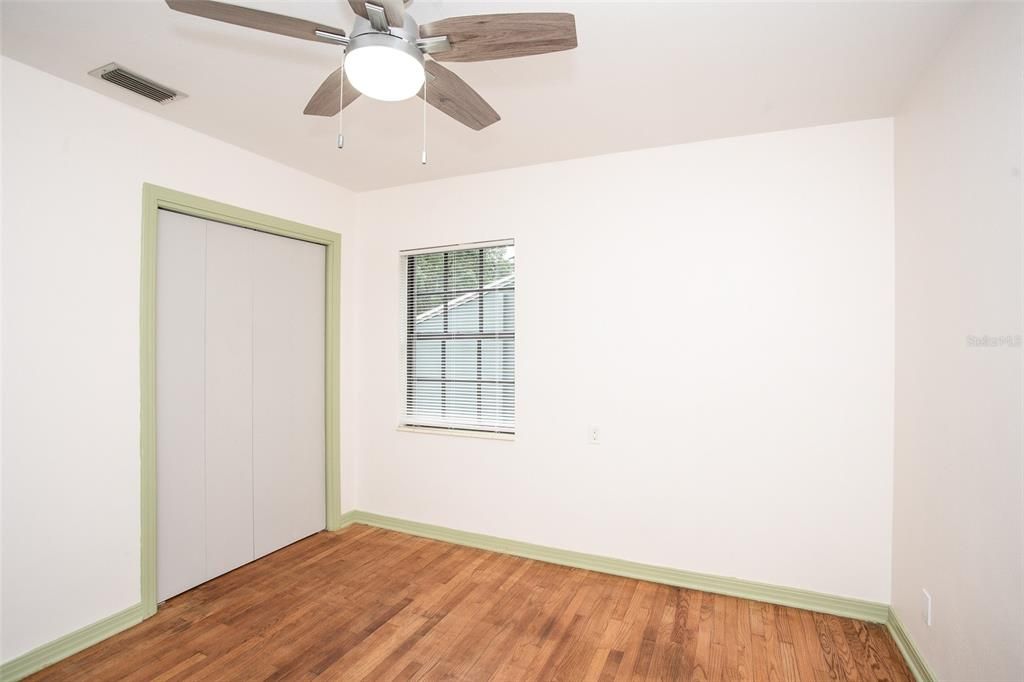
(460, 338)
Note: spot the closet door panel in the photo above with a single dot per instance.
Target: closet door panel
(288, 391)
(180, 397)
(229, 301)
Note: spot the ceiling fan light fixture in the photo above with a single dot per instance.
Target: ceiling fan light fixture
(386, 46)
(384, 67)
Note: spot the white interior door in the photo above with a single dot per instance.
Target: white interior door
(180, 403)
(288, 395)
(240, 397)
(229, 307)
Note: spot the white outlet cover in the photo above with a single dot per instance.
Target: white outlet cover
(926, 607)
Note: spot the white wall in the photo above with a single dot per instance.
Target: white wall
(959, 467)
(74, 164)
(723, 311)
(1, 355)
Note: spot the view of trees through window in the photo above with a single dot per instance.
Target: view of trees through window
(460, 339)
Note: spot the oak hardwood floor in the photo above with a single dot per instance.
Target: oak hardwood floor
(370, 604)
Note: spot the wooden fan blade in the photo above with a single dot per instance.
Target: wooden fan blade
(324, 101)
(501, 36)
(254, 18)
(394, 10)
(453, 96)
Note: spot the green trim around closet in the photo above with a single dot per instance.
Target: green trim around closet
(735, 587)
(153, 199)
(916, 662)
(69, 644)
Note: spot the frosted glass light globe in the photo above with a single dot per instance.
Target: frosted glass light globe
(384, 72)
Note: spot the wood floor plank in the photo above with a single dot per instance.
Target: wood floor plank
(611, 666)
(631, 632)
(808, 650)
(700, 667)
(369, 604)
(668, 654)
(759, 663)
(578, 649)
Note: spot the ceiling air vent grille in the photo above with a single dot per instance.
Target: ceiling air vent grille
(122, 77)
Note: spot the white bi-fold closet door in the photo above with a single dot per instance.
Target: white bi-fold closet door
(239, 397)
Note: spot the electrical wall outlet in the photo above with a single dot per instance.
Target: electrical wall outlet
(594, 436)
(926, 607)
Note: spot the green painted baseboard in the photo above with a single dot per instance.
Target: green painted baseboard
(47, 654)
(773, 594)
(916, 663)
(74, 642)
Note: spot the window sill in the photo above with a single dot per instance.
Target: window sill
(463, 433)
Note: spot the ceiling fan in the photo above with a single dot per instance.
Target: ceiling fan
(388, 56)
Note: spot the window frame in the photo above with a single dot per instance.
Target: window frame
(405, 348)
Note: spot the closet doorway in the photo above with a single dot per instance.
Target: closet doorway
(239, 388)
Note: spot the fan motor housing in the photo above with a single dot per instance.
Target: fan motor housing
(403, 39)
(409, 32)
(385, 40)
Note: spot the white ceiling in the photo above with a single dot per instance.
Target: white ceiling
(644, 75)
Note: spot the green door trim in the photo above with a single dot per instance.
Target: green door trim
(155, 198)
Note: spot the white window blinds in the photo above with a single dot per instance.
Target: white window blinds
(460, 338)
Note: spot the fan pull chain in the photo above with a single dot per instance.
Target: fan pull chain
(423, 156)
(341, 105)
